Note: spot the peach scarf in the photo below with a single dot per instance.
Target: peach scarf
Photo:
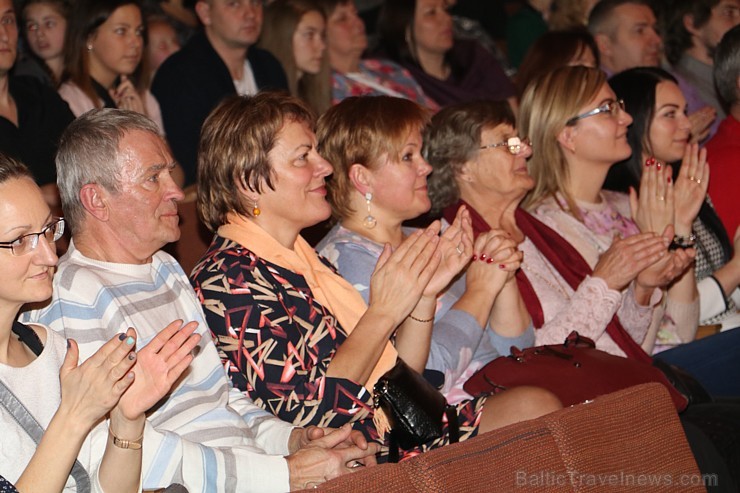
(330, 289)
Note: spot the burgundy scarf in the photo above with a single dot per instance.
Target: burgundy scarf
(566, 260)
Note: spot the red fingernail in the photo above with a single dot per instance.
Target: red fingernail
(670, 179)
(659, 166)
(501, 266)
(483, 256)
(649, 162)
(475, 257)
(489, 260)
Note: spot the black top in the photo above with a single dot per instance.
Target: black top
(191, 82)
(42, 117)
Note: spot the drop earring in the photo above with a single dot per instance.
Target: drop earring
(256, 210)
(369, 222)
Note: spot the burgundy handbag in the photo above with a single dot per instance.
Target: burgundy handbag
(575, 371)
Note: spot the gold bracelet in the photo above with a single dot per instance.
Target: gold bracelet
(420, 320)
(128, 444)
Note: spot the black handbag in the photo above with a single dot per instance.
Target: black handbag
(414, 409)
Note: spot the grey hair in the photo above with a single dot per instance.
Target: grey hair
(88, 153)
(727, 66)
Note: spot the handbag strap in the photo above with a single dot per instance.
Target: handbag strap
(19, 412)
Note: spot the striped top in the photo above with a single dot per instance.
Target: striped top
(207, 435)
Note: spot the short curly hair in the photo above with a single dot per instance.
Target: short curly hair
(452, 139)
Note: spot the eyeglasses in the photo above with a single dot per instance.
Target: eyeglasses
(28, 243)
(513, 144)
(611, 107)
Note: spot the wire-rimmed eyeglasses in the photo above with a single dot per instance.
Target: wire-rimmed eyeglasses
(513, 144)
(611, 107)
(28, 242)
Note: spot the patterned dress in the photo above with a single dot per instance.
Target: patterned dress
(277, 342)
(6, 486)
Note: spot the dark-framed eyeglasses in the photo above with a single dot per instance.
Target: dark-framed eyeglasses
(28, 243)
(611, 107)
(513, 144)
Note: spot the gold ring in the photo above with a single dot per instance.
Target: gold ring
(698, 181)
(692, 178)
(661, 197)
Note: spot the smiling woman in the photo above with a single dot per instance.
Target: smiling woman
(297, 337)
(103, 54)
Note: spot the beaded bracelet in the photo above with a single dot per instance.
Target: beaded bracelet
(683, 242)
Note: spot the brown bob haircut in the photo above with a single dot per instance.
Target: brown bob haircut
(233, 154)
(364, 130)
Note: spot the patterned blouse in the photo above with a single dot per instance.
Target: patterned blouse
(379, 77)
(277, 341)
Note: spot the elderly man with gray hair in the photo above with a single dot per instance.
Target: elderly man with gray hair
(120, 200)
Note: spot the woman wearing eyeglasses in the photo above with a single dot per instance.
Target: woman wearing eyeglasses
(587, 265)
(101, 399)
(380, 181)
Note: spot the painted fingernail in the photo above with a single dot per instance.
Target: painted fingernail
(475, 257)
(483, 256)
(649, 162)
(131, 356)
(121, 337)
(129, 341)
(489, 260)
(501, 266)
(670, 179)
(659, 166)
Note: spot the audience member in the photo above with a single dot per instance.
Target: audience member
(300, 339)
(45, 26)
(660, 135)
(216, 62)
(723, 150)
(351, 74)
(162, 41)
(556, 49)
(121, 203)
(627, 36)
(418, 35)
(297, 37)
(379, 181)
(68, 403)
(32, 115)
(103, 52)
(693, 29)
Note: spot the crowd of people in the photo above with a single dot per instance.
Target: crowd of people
(482, 188)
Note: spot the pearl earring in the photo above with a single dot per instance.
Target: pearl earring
(369, 222)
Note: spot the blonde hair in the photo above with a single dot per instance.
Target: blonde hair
(283, 17)
(547, 105)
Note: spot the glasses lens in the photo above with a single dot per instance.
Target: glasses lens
(54, 231)
(24, 244)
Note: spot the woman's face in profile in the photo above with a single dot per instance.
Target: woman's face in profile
(600, 138)
(494, 171)
(670, 129)
(26, 278)
(299, 198)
